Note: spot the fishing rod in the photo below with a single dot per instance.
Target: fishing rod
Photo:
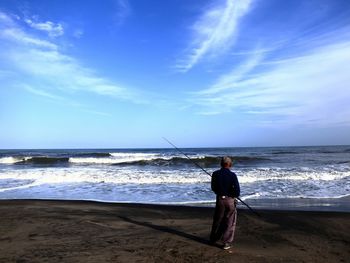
(196, 164)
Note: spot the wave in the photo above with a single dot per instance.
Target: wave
(339, 150)
(138, 155)
(243, 159)
(43, 160)
(285, 152)
(10, 160)
(20, 187)
(120, 176)
(114, 158)
(92, 160)
(93, 154)
(64, 175)
(275, 175)
(342, 162)
(140, 160)
(165, 184)
(207, 161)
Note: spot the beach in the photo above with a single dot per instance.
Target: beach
(86, 231)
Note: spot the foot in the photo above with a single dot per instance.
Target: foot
(226, 246)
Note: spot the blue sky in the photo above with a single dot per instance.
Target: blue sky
(118, 73)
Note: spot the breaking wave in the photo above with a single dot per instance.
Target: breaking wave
(207, 161)
(10, 160)
(43, 160)
(139, 159)
(92, 154)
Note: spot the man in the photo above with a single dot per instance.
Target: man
(224, 184)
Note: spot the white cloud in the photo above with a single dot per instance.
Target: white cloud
(65, 73)
(307, 88)
(41, 93)
(17, 35)
(215, 32)
(59, 99)
(48, 70)
(227, 81)
(8, 19)
(52, 29)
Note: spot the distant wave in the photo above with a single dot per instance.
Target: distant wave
(203, 161)
(314, 151)
(342, 162)
(141, 160)
(93, 154)
(333, 151)
(243, 159)
(92, 160)
(285, 152)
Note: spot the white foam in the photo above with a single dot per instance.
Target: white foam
(256, 175)
(138, 156)
(12, 160)
(267, 195)
(94, 175)
(116, 158)
(132, 176)
(255, 195)
(263, 183)
(92, 160)
(9, 160)
(20, 187)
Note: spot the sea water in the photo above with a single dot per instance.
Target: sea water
(167, 176)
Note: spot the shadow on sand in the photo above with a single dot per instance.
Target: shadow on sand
(167, 230)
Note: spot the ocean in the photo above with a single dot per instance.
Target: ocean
(165, 176)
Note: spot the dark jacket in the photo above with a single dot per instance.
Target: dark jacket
(225, 183)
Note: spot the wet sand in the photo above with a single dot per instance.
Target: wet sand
(83, 231)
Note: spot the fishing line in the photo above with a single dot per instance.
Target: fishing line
(251, 209)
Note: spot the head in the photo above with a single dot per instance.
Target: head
(226, 162)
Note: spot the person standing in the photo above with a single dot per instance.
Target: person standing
(225, 185)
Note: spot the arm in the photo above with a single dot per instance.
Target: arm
(236, 187)
(213, 183)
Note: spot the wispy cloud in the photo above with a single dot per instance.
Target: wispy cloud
(123, 10)
(215, 32)
(228, 81)
(308, 88)
(18, 36)
(42, 93)
(45, 67)
(78, 33)
(51, 28)
(62, 100)
(64, 73)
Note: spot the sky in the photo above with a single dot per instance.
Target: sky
(223, 73)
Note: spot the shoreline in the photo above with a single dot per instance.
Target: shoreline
(341, 204)
(88, 231)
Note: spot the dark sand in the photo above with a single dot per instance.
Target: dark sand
(78, 231)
